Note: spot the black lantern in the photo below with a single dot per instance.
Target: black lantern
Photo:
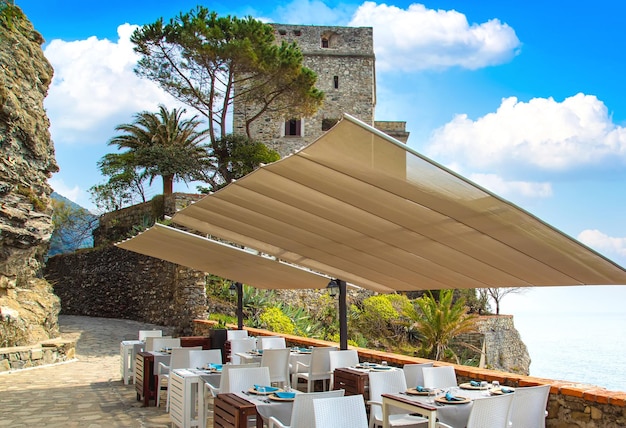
(333, 287)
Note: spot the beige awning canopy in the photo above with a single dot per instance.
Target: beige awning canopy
(220, 259)
(360, 206)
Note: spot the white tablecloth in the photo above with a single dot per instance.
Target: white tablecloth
(281, 410)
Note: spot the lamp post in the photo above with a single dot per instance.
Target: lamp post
(338, 287)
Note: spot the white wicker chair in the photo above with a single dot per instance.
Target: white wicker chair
(159, 343)
(529, 407)
(439, 377)
(245, 378)
(178, 360)
(272, 342)
(390, 382)
(490, 412)
(344, 358)
(319, 369)
(302, 411)
(202, 357)
(340, 412)
(236, 334)
(149, 333)
(277, 360)
(240, 345)
(414, 375)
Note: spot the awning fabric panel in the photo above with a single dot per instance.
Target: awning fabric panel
(361, 206)
(223, 260)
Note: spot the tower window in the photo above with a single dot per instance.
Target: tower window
(325, 43)
(293, 128)
(336, 81)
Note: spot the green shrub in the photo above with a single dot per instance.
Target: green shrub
(275, 320)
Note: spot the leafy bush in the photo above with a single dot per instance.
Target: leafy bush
(275, 320)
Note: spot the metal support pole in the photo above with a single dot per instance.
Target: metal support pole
(239, 287)
(343, 315)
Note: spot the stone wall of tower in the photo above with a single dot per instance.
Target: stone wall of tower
(343, 59)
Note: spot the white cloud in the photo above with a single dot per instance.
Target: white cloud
(95, 89)
(603, 243)
(74, 194)
(541, 133)
(418, 38)
(499, 186)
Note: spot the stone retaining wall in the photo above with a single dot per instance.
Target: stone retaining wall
(51, 351)
(113, 283)
(570, 405)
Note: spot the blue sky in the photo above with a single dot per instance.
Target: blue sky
(525, 98)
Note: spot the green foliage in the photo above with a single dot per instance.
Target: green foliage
(236, 156)
(33, 198)
(223, 319)
(275, 320)
(254, 301)
(304, 324)
(157, 144)
(439, 321)
(384, 318)
(201, 58)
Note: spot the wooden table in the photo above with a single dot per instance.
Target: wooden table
(354, 382)
(427, 410)
(145, 375)
(231, 411)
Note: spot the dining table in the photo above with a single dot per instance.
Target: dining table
(295, 355)
(454, 413)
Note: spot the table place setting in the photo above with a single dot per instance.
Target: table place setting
(475, 385)
(374, 367)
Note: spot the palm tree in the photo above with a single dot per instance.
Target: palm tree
(163, 144)
(439, 322)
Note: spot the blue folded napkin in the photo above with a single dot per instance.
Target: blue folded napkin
(450, 397)
(474, 383)
(420, 388)
(267, 388)
(215, 366)
(506, 390)
(285, 394)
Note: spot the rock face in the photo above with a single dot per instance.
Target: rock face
(28, 308)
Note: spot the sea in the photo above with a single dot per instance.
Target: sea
(583, 342)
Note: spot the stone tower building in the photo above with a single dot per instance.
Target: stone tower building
(343, 59)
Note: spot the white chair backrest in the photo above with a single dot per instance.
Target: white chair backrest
(272, 342)
(413, 374)
(225, 378)
(202, 357)
(245, 378)
(159, 343)
(320, 360)
(439, 377)
(236, 334)
(490, 412)
(302, 411)
(180, 357)
(345, 358)
(529, 406)
(277, 360)
(340, 412)
(388, 382)
(240, 345)
(149, 333)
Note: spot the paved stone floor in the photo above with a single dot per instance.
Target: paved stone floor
(87, 392)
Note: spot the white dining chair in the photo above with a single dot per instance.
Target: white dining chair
(271, 342)
(490, 412)
(318, 369)
(528, 409)
(179, 359)
(277, 360)
(224, 385)
(390, 382)
(240, 346)
(340, 412)
(159, 343)
(202, 357)
(243, 379)
(236, 334)
(439, 377)
(149, 333)
(414, 375)
(343, 358)
(302, 414)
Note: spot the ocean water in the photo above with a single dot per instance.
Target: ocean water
(584, 346)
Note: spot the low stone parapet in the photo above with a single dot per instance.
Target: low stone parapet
(48, 352)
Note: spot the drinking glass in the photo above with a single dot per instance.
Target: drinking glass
(261, 390)
(431, 396)
(495, 384)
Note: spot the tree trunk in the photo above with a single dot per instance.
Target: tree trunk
(168, 184)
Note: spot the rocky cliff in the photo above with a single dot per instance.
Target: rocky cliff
(28, 308)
